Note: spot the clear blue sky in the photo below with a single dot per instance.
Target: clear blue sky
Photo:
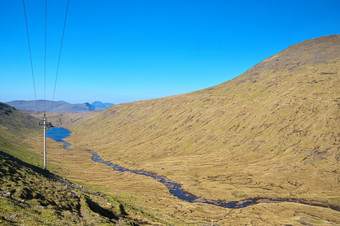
(127, 50)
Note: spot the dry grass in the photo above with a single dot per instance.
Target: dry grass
(32, 196)
(146, 199)
(271, 132)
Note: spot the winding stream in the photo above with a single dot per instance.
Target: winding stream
(59, 134)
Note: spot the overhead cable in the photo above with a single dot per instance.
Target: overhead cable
(61, 46)
(30, 53)
(45, 57)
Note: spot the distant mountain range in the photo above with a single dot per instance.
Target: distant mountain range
(97, 105)
(57, 106)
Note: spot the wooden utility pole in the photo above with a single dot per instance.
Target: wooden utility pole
(44, 141)
(44, 124)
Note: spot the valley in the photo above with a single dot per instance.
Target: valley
(59, 134)
(254, 136)
(269, 135)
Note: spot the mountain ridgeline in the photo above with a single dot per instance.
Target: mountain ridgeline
(57, 106)
(271, 132)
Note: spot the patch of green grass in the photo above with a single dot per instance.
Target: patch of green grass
(32, 196)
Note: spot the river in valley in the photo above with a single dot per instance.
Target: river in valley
(59, 134)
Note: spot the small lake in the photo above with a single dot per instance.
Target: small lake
(58, 133)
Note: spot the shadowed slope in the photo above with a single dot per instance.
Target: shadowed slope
(271, 132)
(29, 195)
(16, 128)
(16, 121)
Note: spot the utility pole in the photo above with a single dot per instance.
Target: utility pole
(44, 141)
(44, 124)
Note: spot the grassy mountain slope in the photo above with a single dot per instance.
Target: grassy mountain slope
(31, 196)
(16, 122)
(16, 129)
(271, 132)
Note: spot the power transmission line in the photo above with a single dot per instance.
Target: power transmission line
(30, 53)
(45, 60)
(45, 56)
(61, 46)
(35, 92)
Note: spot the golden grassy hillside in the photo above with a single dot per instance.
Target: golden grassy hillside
(271, 132)
(32, 196)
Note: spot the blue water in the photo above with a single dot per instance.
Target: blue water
(58, 134)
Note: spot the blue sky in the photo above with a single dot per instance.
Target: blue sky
(122, 51)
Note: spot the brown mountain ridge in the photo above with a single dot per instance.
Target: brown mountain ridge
(271, 132)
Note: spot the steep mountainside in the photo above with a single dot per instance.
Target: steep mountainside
(16, 128)
(271, 132)
(16, 121)
(31, 196)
